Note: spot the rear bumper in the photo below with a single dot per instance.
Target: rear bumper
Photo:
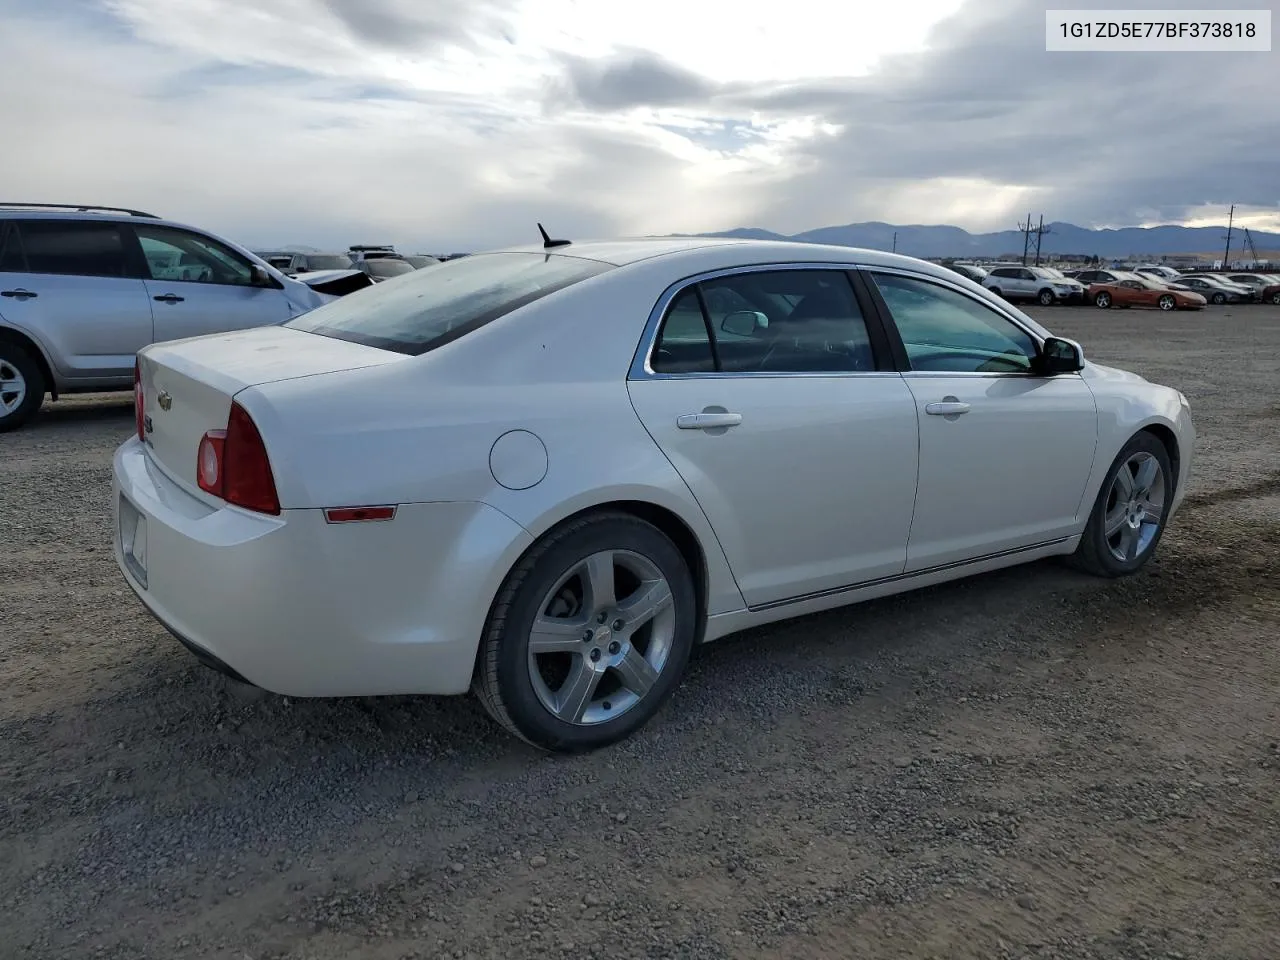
(305, 608)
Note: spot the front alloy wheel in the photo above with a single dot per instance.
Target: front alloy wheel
(1167, 302)
(1128, 516)
(589, 634)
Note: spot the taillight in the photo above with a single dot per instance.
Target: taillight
(139, 417)
(232, 464)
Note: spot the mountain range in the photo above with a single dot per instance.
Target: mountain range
(918, 240)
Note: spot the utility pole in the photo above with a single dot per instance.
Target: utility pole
(1226, 254)
(895, 241)
(1026, 238)
(1040, 232)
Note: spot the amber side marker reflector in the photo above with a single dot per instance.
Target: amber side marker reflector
(358, 514)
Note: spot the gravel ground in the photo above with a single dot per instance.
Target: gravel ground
(1032, 763)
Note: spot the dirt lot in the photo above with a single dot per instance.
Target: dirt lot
(1029, 764)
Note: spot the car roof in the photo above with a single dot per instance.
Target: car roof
(742, 251)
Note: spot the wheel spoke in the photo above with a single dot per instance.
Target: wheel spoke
(556, 635)
(1124, 482)
(651, 599)
(635, 672)
(573, 698)
(1114, 520)
(1152, 512)
(598, 576)
(1129, 540)
(1146, 476)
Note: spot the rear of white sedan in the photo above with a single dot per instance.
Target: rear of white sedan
(305, 601)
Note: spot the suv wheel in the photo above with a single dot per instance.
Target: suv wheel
(21, 386)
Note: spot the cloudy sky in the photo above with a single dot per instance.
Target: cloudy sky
(455, 124)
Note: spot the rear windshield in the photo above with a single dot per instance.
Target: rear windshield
(328, 261)
(429, 308)
(388, 268)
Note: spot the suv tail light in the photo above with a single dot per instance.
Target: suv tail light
(139, 417)
(232, 464)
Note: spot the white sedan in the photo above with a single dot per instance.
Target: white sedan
(544, 474)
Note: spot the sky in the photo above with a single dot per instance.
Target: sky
(455, 125)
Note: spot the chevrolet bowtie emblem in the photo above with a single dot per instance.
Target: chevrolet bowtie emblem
(164, 400)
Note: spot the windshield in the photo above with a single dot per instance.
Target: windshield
(1050, 273)
(418, 262)
(328, 261)
(432, 307)
(383, 269)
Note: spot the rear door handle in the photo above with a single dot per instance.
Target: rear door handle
(19, 294)
(946, 408)
(708, 421)
(169, 298)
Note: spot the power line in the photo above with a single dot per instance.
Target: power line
(1027, 230)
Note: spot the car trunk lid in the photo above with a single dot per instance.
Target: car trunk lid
(188, 385)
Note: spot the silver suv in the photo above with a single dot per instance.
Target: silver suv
(83, 289)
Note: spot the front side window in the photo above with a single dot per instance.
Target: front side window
(430, 308)
(771, 321)
(944, 330)
(77, 248)
(173, 254)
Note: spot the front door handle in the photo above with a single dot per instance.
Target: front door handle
(19, 294)
(951, 407)
(708, 421)
(169, 298)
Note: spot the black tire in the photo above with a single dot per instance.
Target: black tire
(996, 291)
(1218, 298)
(1102, 300)
(502, 681)
(1046, 297)
(1167, 302)
(1275, 298)
(13, 355)
(1094, 555)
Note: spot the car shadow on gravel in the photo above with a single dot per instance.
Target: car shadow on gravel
(75, 412)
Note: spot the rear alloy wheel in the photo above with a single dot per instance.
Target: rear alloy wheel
(21, 386)
(1102, 301)
(1046, 298)
(589, 635)
(1167, 302)
(1128, 516)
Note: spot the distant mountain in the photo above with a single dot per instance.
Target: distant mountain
(946, 241)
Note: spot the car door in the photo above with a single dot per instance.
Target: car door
(200, 286)
(794, 435)
(71, 286)
(1005, 453)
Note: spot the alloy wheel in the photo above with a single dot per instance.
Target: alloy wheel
(1167, 302)
(1135, 507)
(602, 637)
(13, 387)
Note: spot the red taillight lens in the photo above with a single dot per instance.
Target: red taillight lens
(139, 417)
(232, 464)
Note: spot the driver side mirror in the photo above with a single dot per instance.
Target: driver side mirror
(1060, 356)
(744, 323)
(258, 274)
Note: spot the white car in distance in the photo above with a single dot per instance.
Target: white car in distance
(545, 473)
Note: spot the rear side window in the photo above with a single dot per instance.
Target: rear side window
(71, 247)
(426, 309)
(783, 321)
(12, 259)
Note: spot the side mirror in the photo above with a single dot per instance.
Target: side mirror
(258, 273)
(1060, 356)
(744, 323)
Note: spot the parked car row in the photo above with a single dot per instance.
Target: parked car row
(1155, 286)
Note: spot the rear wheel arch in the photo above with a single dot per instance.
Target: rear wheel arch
(670, 523)
(37, 354)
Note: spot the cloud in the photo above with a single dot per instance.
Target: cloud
(449, 125)
(633, 78)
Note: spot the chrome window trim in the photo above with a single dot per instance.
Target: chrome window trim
(640, 364)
